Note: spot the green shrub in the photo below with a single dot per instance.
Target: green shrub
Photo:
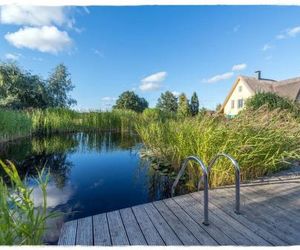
(272, 101)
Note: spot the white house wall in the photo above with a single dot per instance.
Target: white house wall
(245, 93)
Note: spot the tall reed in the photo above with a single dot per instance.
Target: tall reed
(14, 124)
(21, 223)
(262, 141)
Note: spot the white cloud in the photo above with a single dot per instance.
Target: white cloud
(33, 15)
(12, 56)
(218, 78)
(293, 31)
(280, 36)
(239, 67)
(267, 47)
(175, 93)
(289, 33)
(153, 82)
(45, 39)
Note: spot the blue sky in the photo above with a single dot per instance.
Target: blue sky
(152, 49)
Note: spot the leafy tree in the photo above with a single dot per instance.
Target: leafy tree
(167, 102)
(59, 85)
(194, 104)
(130, 100)
(218, 107)
(183, 106)
(20, 89)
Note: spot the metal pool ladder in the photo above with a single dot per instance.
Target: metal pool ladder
(206, 171)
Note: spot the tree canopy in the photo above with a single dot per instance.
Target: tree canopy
(20, 89)
(194, 104)
(130, 100)
(167, 102)
(59, 85)
(183, 106)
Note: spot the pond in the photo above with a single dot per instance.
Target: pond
(90, 173)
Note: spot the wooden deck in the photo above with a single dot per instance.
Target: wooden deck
(270, 216)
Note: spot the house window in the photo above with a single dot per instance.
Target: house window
(240, 103)
(240, 88)
(232, 104)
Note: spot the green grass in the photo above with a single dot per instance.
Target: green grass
(21, 223)
(14, 124)
(262, 141)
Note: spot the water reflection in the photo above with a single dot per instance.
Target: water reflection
(90, 173)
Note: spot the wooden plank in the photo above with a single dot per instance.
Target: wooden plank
(167, 234)
(275, 241)
(231, 232)
(255, 239)
(197, 214)
(101, 230)
(186, 237)
(84, 235)
(264, 219)
(284, 199)
(132, 228)
(68, 233)
(267, 206)
(116, 229)
(150, 233)
(201, 235)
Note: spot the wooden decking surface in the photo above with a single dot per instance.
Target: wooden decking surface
(270, 215)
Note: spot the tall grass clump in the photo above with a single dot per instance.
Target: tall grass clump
(51, 121)
(262, 141)
(20, 222)
(14, 124)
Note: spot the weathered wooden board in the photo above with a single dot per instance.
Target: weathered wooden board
(270, 215)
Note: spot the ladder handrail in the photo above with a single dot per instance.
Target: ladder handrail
(237, 177)
(204, 178)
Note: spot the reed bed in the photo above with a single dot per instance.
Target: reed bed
(15, 124)
(262, 141)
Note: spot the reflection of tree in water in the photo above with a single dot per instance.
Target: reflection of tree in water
(32, 154)
(106, 142)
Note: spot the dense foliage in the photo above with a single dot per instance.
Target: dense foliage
(131, 101)
(194, 104)
(183, 106)
(272, 101)
(20, 89)
(167, 102)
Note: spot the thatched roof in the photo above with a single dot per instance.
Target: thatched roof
(289, 88)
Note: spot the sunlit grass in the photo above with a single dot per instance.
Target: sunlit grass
(262, 142)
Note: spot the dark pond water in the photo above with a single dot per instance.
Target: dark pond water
(90, 173)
